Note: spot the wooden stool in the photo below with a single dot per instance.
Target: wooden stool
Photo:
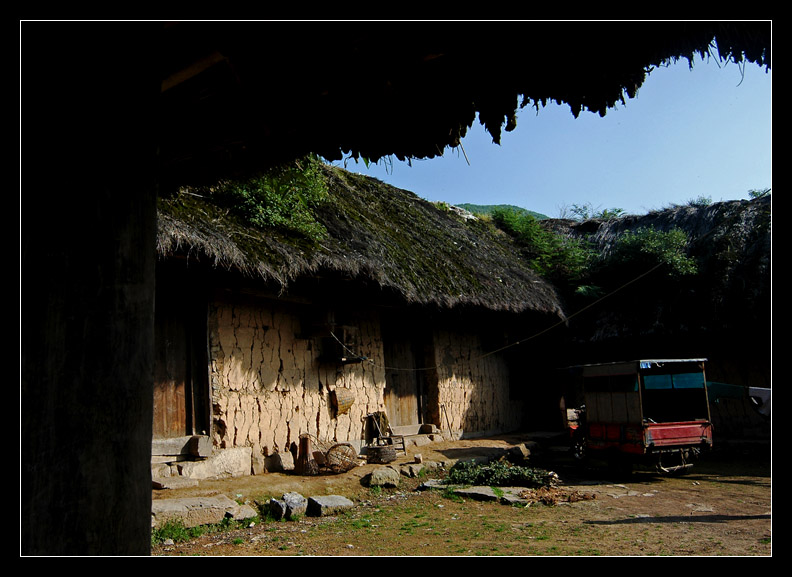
(397, 441)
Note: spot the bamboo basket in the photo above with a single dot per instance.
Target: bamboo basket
(342, 400)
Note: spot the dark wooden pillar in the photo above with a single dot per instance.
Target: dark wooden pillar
(88, 225)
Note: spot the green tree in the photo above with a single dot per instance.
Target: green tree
(700, 201)
(586, 211)
(647, 247)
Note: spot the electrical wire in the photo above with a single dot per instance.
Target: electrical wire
(564, 321)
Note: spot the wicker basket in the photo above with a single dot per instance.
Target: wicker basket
(381, 454)
(342, 399)
(341, 457)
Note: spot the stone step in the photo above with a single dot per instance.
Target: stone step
(410, 430)
(406, 430)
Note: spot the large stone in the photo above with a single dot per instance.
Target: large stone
(291, 506)
(277, 508)
(280, 462)
(519, 453)
(433, 484)
(296, 504)
(159, 470)
(235, 462)
(242, 512)
(193, 445)
(434, 465)
(322, 506)
(172, 482)
(412, 469)
(258, 464)
(418, 440)
(477, 493)
(415, 469)
(382, 477)
(195, 511)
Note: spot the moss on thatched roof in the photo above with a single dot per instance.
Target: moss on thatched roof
(374, 232)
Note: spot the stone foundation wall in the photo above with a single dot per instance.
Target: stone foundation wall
(269, 387)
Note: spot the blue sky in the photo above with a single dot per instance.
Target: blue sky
(704, 132)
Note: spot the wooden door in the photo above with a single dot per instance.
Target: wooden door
(180, 372)
(402, 385)
(171, 376)
(405, 348)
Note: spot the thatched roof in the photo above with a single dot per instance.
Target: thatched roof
(726, 305)
(745, 224)
(237, 95)
(376, 233)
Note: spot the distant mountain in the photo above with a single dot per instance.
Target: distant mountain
(488, 208)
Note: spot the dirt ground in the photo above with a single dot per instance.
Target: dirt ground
(722, 507)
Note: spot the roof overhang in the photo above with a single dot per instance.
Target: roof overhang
(240, 95)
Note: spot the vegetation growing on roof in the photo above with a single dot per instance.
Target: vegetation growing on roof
(586, 212)
(645, 247)
(424, 248)
(284, 198)
(358, 227)
(755, 193)
(560, 258)
(690, 272)
(488, 209)
(573, 264)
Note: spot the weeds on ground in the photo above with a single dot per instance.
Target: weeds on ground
(500, 474)
(175, 530)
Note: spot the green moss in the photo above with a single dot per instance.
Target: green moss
(354, 225)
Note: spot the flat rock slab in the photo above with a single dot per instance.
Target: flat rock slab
(433, 484)
(476, 493)
(506, 495)
(234, 462)
(172, 482)
(325, 505)
(195, 511)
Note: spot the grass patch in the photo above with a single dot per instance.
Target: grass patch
(175, 531)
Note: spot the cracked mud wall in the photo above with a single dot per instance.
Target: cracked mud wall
(473, 393)
(269, 386)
